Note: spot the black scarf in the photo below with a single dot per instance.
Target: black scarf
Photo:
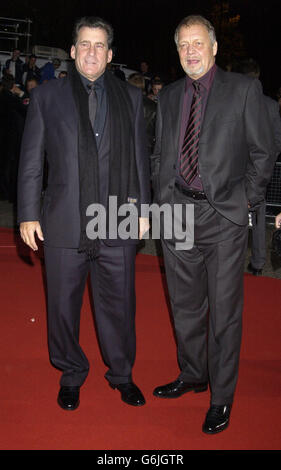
(123, 177)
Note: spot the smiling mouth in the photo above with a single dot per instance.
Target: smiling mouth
(192, 61)
(90, 62)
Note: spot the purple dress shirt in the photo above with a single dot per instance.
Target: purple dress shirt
(206, 83)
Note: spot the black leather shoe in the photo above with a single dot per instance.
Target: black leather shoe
(217, 419)
(254, 271)
(130, 393)
(179, 387)
(68, 398)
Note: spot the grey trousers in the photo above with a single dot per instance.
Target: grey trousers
(205, 287)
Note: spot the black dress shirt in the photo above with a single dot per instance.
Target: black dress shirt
(101, 107)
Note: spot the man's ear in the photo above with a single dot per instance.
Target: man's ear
(109, 55)
(215, 49)
(72, 52)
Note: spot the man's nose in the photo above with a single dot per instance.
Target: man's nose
(190, 49)
(92, 49)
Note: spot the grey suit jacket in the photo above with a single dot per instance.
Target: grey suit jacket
(235, 147)
(51, 129)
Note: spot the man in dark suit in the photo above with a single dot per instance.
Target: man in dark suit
(91, 127)
(258, 249)
(213, 145)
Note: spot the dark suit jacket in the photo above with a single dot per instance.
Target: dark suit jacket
(235, 144)
(275, 119)
(51, 128)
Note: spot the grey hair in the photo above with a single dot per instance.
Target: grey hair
(93, 22)
(196, 19)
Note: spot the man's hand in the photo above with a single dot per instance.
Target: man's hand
(278, 221)
(17, 91)
(28, 230)
(143, 226)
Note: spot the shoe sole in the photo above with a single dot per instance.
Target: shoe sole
(73, 408)
(132, 404)
(225, 426)
(127, 402)
(195, 390)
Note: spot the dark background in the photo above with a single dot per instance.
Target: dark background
(144, 29)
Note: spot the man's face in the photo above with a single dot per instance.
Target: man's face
(32, 61)
(30, 85)
(144, 67)
(196, 52)
(156, 89)
(16, 54)
(91, 52)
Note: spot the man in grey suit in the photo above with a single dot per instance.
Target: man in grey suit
(91, 127)
(213, 148)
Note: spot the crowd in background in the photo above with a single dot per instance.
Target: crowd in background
(19, 77)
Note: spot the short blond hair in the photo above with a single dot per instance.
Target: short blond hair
(196, 19)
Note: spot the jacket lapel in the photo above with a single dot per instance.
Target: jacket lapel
(66, 106)
(176, 104)
(215, 99)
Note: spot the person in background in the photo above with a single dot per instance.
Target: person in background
(14, 67)
(47, 72)
(30, 70)
(156, 86)
(278, 220)
(251, 68)
(118, 72)
(62, 74)
(12, 119)
(149, 107)
(147, 75)
(30, 84)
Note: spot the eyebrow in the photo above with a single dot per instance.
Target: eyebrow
(184, 41)
(88, 41)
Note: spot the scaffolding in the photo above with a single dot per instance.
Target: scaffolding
(15, 34)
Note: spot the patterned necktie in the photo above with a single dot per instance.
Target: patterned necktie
(189, 153)
(93, 102)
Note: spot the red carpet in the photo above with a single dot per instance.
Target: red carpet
(31, 418)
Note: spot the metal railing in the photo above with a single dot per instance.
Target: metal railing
(273, 193)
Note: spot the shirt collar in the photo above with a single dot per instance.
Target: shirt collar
(99, 82)
(205, 80)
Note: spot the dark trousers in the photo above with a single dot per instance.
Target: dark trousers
(206, 293)
(112, 276)
(258, 251)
